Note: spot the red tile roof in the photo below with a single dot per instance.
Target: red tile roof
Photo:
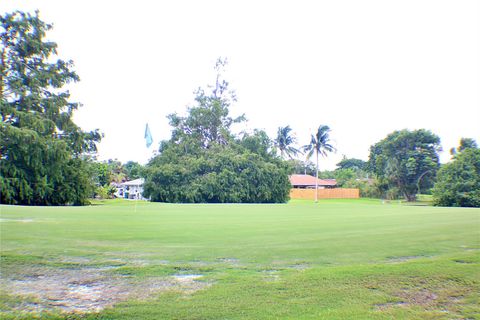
(303, 180)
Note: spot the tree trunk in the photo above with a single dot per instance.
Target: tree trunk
(412, 197)
(2, 68)
(316, 182)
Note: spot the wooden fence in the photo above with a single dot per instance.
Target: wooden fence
(336, 193)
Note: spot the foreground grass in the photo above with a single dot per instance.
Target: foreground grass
(333, 260)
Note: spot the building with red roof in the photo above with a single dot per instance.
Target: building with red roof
(305, 181)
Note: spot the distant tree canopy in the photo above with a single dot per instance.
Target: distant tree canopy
(205, 162)
(41, 148)
(134, 170)
(458, 182)
(112, 171)
(465, 143)
(303, 167)
(352, 163)
(406, 161)
(106, 172)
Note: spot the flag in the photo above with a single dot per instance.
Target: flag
(148, 136)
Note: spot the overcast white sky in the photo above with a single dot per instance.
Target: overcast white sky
(365, 68)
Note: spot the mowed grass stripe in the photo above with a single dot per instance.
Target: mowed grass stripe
(329, 229)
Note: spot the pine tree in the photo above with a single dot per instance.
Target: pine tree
(41, 149)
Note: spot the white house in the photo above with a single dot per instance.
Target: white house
(131, 190)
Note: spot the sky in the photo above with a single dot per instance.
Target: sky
(364, 68)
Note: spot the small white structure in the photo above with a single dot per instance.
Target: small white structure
(131, 190)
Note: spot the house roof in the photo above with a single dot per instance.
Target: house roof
(308, 180)
(136, 182)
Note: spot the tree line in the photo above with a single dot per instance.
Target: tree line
(46, 159)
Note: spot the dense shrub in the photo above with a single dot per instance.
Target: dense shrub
(222, 174)
(458, 182)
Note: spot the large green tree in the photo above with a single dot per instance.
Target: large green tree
(406, 162)
(458, 182)
(320, 144)
(205, 162)
(41, 149)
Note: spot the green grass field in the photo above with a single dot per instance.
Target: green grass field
(348, 259)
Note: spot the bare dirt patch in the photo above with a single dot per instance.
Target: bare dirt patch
(86, 289)
(424, 298)
(418, 297)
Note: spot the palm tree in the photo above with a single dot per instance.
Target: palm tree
(284, 142)
(320, 145)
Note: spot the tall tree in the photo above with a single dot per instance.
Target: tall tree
(319, 145)
(41, 148)
(284, 142)
(406, 161)
(208, 122)
(205, 162)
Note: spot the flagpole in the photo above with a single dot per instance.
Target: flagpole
(148, 142)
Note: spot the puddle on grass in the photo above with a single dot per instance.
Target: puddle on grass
(187, 277)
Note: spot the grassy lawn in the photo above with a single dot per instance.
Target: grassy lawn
(343, 259)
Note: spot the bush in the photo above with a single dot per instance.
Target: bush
(458, 182)
(368, 187)
(105, 192)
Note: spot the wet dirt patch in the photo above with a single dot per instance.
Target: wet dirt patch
(423, 298)
(388, 305)
(299, 266)
(438, 295)
(270, 275)
(16, 220)
(76, 260)
(403, 259)
(87, 289)
(232, 261)
(468, 248)
(463, 261)
(188, 283)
